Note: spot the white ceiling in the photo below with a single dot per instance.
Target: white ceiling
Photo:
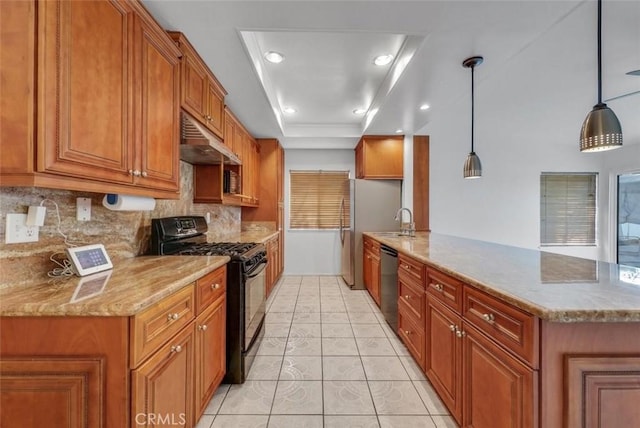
(329, 48)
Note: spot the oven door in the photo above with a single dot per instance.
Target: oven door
(254, 303)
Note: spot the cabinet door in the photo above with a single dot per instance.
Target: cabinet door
(366, 270)
(162, 387)
(210, 353)
(159, 122)
(215, 109)
(499, 389)
(375, 278)
(84, 97)
(444, 355)
(229, 131)
(17, 68)
(195, 86)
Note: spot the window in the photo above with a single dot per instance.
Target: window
(568, 208)
(315, 199)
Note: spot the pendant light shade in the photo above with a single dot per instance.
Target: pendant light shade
(472, 166)
(601, 129)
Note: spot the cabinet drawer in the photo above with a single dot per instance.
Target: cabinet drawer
(411, 269)
(413, 299)
(153, 327)
(445, 288)
(412, 336)
(210, 287)
(509, 326)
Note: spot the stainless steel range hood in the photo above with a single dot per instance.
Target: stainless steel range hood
(199, 146)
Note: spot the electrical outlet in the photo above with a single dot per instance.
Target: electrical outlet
(83, 209)
(17, 231)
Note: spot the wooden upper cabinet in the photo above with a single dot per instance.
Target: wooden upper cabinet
(201, 93)
(380, 157)
(105, 107)
(85, 102)
(158, 154)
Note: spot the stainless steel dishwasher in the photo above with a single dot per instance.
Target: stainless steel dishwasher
(389, 285)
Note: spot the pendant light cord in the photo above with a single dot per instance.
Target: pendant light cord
(599, 51)
(472, 104)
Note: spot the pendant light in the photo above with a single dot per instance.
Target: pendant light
(472, 166)
(601, 129)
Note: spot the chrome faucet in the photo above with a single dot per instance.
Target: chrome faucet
(411, 229)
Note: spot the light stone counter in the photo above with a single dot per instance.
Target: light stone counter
(257, 236)
(554, 287)
(133, 285)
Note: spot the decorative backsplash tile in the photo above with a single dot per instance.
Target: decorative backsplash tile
(124, 234)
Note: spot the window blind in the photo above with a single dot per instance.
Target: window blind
(315, 198)
(568, 209)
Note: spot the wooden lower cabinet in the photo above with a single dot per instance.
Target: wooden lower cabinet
(274, 260)
(157, 368)
(443, 364)
(210, 355)
(371, 268)
(412, 334)
(499, 390)
(162, 387)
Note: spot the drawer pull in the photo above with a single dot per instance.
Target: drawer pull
(407, 332)
(407, 267)
(453, 327)
(215, 286)
(489, 317)
(407, 297)
(202, 327)
(176, 348)
(460, 333)
(438, 287)
(173, 317)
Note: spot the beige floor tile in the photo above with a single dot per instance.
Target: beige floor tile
(384, 368)
(347, 398)
(216, 401)
(337, 330)
(240, 421)
(430, 398)
(295, 421)
(368, 330)
(375, 346)
(298, 397)
(351, 421)
(265, 367)
(339, 346)
(406, 421)
(303, 346)
(396, 398)
(444, 422)
(301, 368)
(251, 397)
(342, 368)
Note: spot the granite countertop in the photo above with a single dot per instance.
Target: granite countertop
(553, 287)
(130, 287)
(258, 236)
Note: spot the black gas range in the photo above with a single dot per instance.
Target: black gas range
(187, 236)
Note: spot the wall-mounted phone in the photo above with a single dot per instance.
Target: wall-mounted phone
(89, 259)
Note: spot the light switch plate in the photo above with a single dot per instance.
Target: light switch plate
(83, 212)
(17, 231)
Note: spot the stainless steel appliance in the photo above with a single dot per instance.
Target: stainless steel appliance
(245, 284)
(389, 285)
(372, 205)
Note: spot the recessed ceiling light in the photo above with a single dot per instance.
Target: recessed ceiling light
(383, 59)
(274, 57)
(289, 110)
(398, 131)
(360, 111)
(424, 107)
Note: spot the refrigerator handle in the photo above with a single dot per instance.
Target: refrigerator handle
(341, 219)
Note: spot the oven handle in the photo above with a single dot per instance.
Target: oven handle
(258, 270)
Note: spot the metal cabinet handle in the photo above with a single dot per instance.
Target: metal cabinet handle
(407, 332)
(130, 172)
(172, 317)
(202, 327)
(460, 333)
(438, 287)
(215, 286)
(406, 267)
(407, 297)
(144, 173)
(489, 317)
(176, 348)
(453, 327)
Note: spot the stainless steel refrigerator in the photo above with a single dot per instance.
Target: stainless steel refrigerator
(372, 205)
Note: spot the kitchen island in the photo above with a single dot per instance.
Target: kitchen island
(517, 337)
(135, 346)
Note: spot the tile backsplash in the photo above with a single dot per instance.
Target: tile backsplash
(124, 233)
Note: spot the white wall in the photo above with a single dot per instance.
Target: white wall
(528, 117)
(313, 252)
